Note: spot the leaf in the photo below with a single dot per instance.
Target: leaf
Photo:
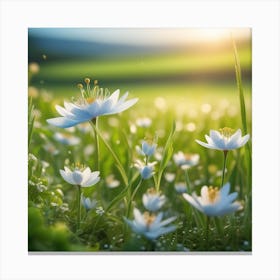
(243, 110)
(167, 154)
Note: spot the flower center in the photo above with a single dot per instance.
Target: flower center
(66, 135)
(90, 100)
(149, 218)
(152, 191)
(188, 156)
(226, 132)
(213, 194)
(77, 166)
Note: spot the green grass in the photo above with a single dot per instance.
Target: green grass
(195, 107)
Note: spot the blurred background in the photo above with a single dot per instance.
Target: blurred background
(142, 61)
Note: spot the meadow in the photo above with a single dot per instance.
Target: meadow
(181, 97)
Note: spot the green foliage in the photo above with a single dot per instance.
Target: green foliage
(180, 114)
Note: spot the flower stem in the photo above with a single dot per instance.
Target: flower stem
(224, 167)
(187, 180)
(130, 199)
(79, 207)
(119, 165)
(94, 124)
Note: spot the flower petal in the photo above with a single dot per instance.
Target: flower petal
(209, 146)
(62, 111)
(204, 195)
(224, 191)
(86, 174)
(234, 139)
(192, 201)
(92, 180)
(123, 106)
(115, 96)
(122, 99)
(168, 221)
(67, 177)
(62, 122)
(218, 141)
(244, 140)
(230, 209)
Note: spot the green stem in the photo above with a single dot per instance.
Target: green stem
(79, 207)
(94, 124)
(224, 167)
(132, 197)
(152, 245)
(188, 182)
(119, 165)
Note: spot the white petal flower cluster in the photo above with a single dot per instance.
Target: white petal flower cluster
(214, 202)
(150, 225)
(153, 200)
(80, 177)
(224, 139)
(90, 108)
(185, 160)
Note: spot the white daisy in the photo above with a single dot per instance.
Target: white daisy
(225, 139)
(153, 200)
(150, 225)
(185, 160)
(93, 104)
(214, 202)
(80, 176)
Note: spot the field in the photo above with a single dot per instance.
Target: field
(181, 97)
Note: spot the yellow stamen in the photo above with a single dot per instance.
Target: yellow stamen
(87, 81)
(79, 166)
(80, 86)
(149, 218)
(213, 194)
(152, 191)
(188, 156)
(90, 100)
(226, 132)
(66, 135)
(149, 140)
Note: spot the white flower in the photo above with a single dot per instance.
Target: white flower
(144, 122)
(50, 148)
(111, 182)
(224, 139)
(214, 202)
(90, 108)
(180, 187)
(99, 211)
(146, 170)
(150, 225)
(152, 200)
(88, 203)
(185, 160)
(148, 148)
(81, 177)
(66, 138)
(169, 177)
